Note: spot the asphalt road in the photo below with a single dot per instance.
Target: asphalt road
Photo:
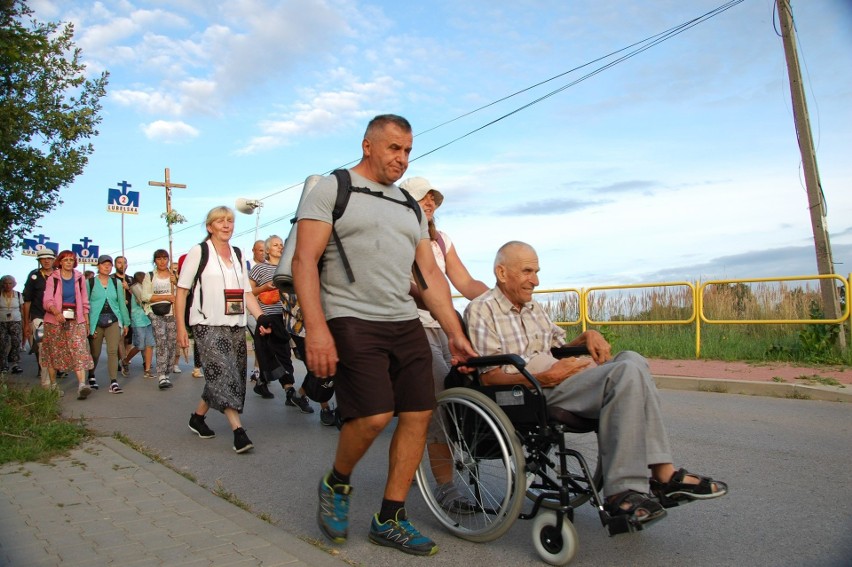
(786, 461)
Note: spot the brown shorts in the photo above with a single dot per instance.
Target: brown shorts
(384, 367)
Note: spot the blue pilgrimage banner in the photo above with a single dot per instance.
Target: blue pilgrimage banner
(35, 243)
(122, 200)
(86, 253)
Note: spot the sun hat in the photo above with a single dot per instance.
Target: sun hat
(45, 253)
(318, 390)
(419, 187)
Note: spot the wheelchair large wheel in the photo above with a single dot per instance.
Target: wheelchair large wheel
(478, 450)
(586, 444)
(557, 547)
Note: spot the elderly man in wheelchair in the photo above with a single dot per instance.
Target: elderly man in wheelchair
(544, 397)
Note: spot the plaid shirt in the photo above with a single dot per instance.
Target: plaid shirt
(496, 326)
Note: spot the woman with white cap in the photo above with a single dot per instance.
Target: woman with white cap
(448, 260)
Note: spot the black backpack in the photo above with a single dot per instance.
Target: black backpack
(344, 191)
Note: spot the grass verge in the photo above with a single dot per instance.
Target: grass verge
(31, 425)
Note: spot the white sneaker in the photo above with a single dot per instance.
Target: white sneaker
(177, 369)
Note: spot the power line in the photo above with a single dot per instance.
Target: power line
(632, 50)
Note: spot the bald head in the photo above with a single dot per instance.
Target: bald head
(258, 250)
(516, 269)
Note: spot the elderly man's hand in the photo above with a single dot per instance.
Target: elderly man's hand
(561, 370)
(599, 349)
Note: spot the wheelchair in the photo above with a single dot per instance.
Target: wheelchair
(505, 446)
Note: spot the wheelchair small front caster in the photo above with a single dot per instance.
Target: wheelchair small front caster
(554, 546)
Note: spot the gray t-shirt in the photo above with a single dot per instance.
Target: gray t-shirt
(379, 237)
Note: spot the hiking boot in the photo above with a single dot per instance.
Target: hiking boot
(197, 426)
(164, 383)
(83, 391)
(333, 509)
(297, 401)
(327, 417)
(241, 441)
(400, 534)
(262, 390)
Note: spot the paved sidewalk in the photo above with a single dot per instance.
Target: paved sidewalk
(106, 504)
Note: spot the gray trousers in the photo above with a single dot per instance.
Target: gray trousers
(622, 395)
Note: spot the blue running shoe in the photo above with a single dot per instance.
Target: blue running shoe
(401, 535)
(333, 510)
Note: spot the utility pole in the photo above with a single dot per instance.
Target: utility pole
(816, 204)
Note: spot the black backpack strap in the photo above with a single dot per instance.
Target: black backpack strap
(202, 263)
(344, 190)
(409, 199)
(414, 205)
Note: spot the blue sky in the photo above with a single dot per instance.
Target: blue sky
(678, 163)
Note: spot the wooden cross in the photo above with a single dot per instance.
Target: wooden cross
(168, 185)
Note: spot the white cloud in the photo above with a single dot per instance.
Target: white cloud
(324, 112)
(169, 132)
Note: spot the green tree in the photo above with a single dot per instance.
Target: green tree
(48, 111)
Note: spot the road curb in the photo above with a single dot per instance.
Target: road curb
(752, 388)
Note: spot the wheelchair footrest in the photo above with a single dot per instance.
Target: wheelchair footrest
(624, 525)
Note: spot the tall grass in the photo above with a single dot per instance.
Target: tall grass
(31, 424)
(659, 321)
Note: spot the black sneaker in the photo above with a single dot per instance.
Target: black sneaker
(241, 441)
(327, 417)
(197, 426)
(400, 534)
(297, 401)
(262, 390)
(17, 370)
(93, 384)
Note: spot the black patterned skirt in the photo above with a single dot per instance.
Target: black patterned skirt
(223, 353)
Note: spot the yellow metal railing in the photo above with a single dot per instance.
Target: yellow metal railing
(693, 314)
(703, 317)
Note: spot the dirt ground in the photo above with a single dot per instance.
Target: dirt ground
(759, 372)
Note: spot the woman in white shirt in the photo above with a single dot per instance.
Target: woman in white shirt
(217, 315)
(11, 326)
(158, 297)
